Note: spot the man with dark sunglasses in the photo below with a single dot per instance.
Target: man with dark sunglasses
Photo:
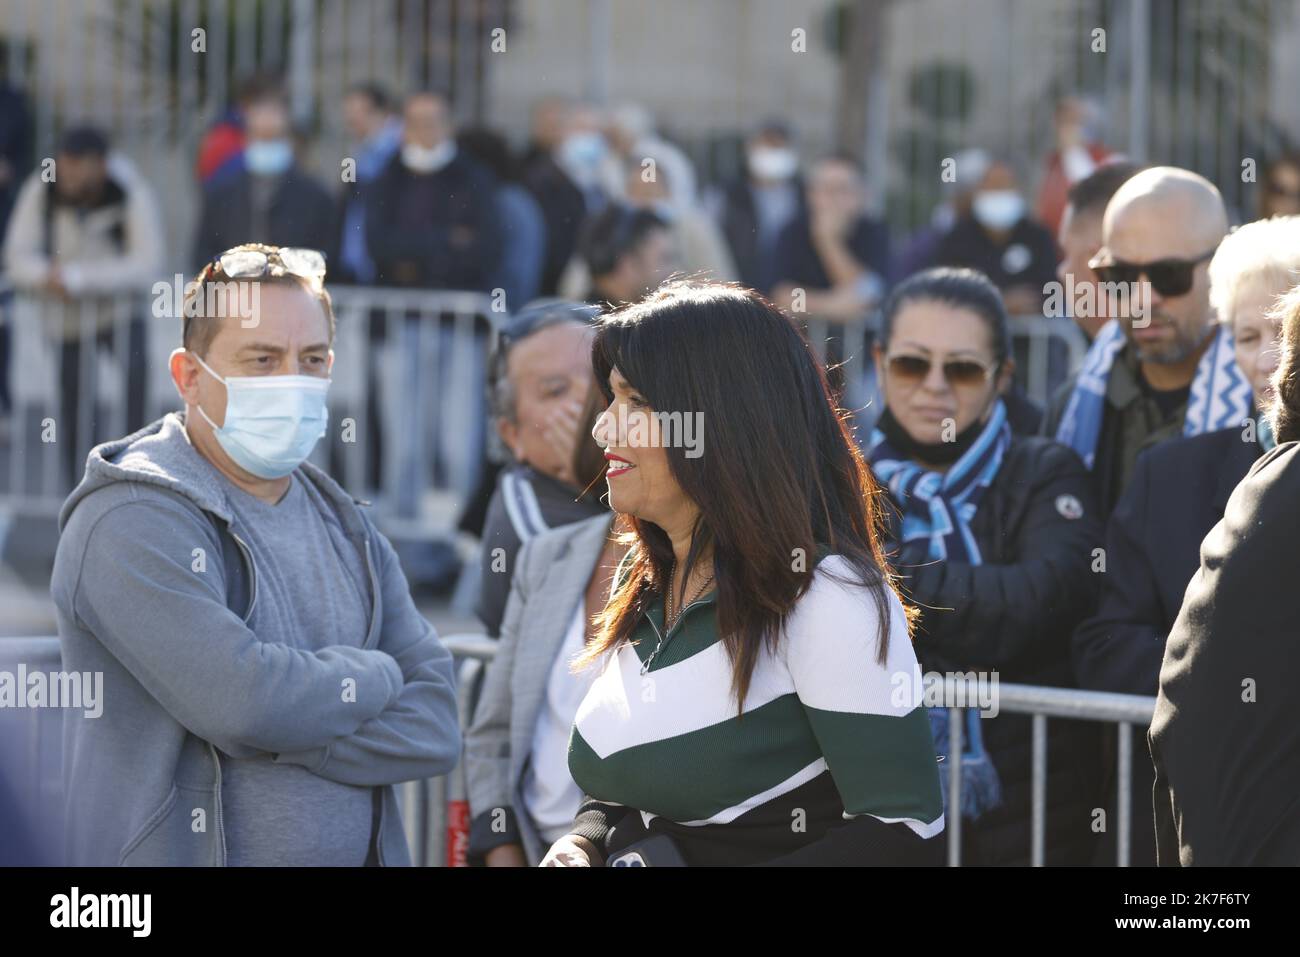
(1136, 387)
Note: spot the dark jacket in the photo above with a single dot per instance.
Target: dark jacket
(563, 208)
(301, 213)
(1153, 540)
(799, 263)
(1224, 740)
(1177, 494)
(1133, 421)
(433, 230)
(1023, 414)
(1028, 258)
(1036, 527)
(526, 503)
(740, 227)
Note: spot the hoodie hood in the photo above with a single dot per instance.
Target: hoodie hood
(161, 454)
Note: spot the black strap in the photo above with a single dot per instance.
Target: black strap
(238, 591)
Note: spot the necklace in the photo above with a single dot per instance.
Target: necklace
(669, 618)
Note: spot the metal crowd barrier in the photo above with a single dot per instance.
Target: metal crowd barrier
(1125, 711)
(436, 813)
(1049, 350)
(31, 744)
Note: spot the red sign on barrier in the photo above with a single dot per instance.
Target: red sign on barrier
(457, 833)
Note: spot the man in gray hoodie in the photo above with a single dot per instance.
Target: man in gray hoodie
(267, 677)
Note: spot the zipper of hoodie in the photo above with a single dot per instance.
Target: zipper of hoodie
(216, 758)
(372, 634)
(252, 572)
(374, 617)
(216, 804)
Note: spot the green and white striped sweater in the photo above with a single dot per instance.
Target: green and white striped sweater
(827, 734)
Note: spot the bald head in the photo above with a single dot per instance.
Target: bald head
(1164, 213)
(1170, 216)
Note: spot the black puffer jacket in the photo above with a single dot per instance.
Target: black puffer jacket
(1036, 527)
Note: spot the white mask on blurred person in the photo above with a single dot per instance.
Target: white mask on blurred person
(268, 157)
(772, 162)
(998, 209)
(582, 151)
(427, 159)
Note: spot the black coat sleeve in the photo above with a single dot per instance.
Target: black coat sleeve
(992, 615)
(407, 249)
(596, 819)
(1120, 647)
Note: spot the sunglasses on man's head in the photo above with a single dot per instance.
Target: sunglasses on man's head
(298, 261)
(910, 369)
(1168, 277)
(256, 263)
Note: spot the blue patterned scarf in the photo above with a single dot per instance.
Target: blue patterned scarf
(938, 508)
(1220, 396)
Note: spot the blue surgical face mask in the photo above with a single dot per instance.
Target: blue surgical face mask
(268, 157)
(583, 150)
(272, 422)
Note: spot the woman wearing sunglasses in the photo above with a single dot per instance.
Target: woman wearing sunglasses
(995, 535)
(745, 706)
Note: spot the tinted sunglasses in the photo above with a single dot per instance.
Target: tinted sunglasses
(911, 370)
(1168, 277)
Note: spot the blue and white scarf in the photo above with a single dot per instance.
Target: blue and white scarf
(938, 507)
(1220, 396)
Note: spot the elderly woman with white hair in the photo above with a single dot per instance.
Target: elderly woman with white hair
(1179, 491)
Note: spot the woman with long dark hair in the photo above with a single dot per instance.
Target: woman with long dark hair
(756, 700)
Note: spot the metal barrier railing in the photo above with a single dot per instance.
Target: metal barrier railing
(1124, 710)
(436, 813)
(1050, 349)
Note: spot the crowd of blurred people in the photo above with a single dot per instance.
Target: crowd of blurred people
(1001, 508)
